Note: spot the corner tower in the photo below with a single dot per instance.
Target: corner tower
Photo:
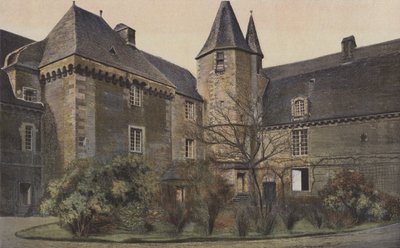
(227, 64)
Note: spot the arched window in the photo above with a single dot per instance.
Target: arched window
(299, 108)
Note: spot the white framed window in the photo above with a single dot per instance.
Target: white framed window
(29, 94)
(300, 179)
(135, 96)
(189, 110)
(25, 191)
(299, 142)
(180, 194)
(136, 137)
(189, 148)
(28, 136)
(81, 141)
(220, 61)
(299, 107)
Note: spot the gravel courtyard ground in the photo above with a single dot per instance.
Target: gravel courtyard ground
(388, 236)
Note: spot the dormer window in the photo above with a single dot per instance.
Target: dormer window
(112, 51)
(299, 108)
(29, 94)
(220, 62)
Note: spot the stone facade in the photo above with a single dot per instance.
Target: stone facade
(95, 94)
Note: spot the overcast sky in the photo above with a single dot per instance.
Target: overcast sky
(289, 30)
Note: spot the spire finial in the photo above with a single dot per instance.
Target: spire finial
(73, 3)
(251, 12)
(101, 13)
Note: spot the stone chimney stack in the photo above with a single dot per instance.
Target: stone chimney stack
(348, 45)
(127, 33)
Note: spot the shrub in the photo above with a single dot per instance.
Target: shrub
(90, 191)
(392, 207)
(270, 220)
(349, 192)
(291, 211)
(242, 221)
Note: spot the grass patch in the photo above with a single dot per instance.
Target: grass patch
(53, 231)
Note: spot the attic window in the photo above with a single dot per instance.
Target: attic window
(29, 94)
(299, 108)
(112, 51)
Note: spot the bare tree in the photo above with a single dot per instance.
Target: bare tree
(234, 132)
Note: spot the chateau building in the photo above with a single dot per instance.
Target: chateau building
(87, 90)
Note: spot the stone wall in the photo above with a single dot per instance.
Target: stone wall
(372, 147)
(18, 165)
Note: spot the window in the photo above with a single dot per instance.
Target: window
(299, 142)
(189, 110)
(220, 62)
(28, 144)
(135, 139)
(29, 94)
(189, 148)
(135, 96)
(300, 181)
(25, 193)
(299, 107)
(180, 194)
(241, 182)
(81, 141)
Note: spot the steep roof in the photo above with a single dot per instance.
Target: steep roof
(7, 95)
(366, 85)
(225, 32)
(86, 34)
(252, 38)
(184, 81)
(10, 42)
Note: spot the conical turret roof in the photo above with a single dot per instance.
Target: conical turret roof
(225, 32)
(252, 38)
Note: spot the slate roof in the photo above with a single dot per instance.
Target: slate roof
(10, 42)
(225, 32)
(28, 56)
(366, 85)
(7, 95)
(184, 81)
(252, 38)
(86, 34)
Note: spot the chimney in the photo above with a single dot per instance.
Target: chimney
(348, 45)
(127, 33)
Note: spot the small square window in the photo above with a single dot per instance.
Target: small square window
(29, 94)
(189, 148)
(300, 179)
(189, 110)
(135, 96)
(81, 141)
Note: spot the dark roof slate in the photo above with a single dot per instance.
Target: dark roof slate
(252, 38)
(184, 81)
(366, 86)
(86, 34)
(7, 95)
(225, 32)
(10, 42)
